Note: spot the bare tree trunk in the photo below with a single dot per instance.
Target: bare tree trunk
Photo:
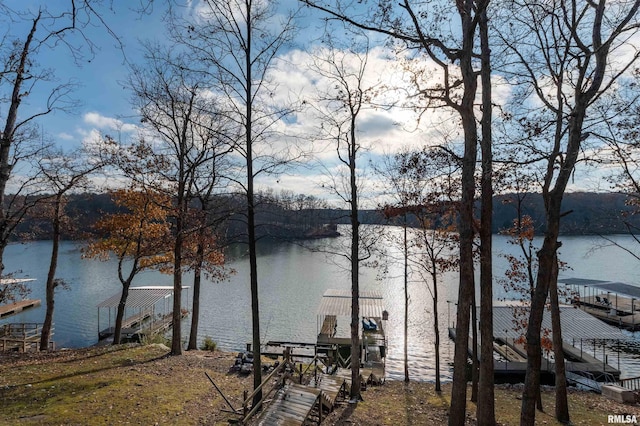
(546, 257)
(7, 135)
(251, 225)
(466, 289)
(176, 327)
(475, 363)
(355, 269)
(117, 331)
(562, 405)
(406, 302)
(486, 409)
(457, 411)
(45, 337)
(436, 329)
(195, 308)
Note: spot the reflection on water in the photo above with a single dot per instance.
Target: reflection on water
(292, 281)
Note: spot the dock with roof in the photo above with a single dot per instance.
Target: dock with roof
(580, 333)
(149, 311)
(611, 301)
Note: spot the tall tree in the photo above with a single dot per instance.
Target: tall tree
(340, 105)
(187, 137)
(236, 44)
(486, 408)
(28, 34)
(425, 186)
(27, 192)
(63, 172)
(621, 151)
(563, 51)
(451, 58)
(137, 237)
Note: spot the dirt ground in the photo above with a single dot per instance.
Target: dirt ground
(142, 385)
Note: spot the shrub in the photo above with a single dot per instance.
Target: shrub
(208, 344)
(155, 339)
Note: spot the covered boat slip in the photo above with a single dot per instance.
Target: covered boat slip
(334, 338)
(149, 310)
(580, 332)
(611, 301)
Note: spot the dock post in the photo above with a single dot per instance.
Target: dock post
(244, 404)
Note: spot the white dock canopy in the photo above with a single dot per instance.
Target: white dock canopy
(338, 303)
(609, 286)
(140, 297)
(576, 324)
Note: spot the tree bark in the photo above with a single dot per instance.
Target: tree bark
(406, 301)
(486, 408)
(117, 332)
(195, 307)
(466, 289)
(562, 404)
(176, 326)
(45, 337)
(475, 356)
(457, 411)
(7, 136)
(355, 268)
(436, 328)
(251, 225)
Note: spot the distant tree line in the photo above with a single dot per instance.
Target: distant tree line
(289, 216)
(283, 215)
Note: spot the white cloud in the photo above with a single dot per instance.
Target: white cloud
(65, 136)
(108, 123)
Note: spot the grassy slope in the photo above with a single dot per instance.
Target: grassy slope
(140, 385)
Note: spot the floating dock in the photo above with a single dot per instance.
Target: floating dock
(17, 307)
(579, 331)
(611, 301)
(334, 340)
(330, 359)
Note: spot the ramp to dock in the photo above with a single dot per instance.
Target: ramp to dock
(292, 406)
(331, 387)
(294, 403)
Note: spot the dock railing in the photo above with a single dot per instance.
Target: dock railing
(21, 336)
(279, 384)
(248, 399)
(631, 383)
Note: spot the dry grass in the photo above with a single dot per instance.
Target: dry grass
(141, 385)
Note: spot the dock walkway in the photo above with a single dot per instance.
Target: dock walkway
(17, 307)
(292, 406)
(331, 387)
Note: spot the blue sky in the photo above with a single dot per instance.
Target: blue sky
(105, 103)
(99, 76)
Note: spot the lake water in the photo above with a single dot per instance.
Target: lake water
(292, 280)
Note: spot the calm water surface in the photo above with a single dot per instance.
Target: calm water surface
(292, 280)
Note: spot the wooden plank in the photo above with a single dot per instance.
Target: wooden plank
(14, 308)
(291, 406)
